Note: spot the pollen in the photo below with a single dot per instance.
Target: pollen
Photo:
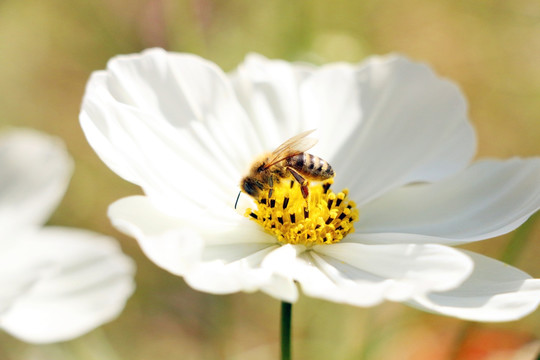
(322, 218)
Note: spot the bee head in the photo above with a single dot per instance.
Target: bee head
(251, 186)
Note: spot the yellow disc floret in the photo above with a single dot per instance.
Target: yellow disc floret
(322, 218)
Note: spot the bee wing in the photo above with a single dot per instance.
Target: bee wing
(295, 145)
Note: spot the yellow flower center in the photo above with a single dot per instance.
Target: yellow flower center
(322, 218)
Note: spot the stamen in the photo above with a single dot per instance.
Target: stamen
(323, 217)
(326, 187)
(285, 203)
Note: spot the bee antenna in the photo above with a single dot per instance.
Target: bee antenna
(238, 197)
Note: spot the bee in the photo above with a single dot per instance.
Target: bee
(288, 159)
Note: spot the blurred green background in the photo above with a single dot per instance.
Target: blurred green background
(49, 48)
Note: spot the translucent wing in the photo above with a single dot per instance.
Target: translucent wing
(295, 145)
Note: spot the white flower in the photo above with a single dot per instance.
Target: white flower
(397, 136)
(56, 283)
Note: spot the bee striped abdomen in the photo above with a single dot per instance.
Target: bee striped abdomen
(311, 166)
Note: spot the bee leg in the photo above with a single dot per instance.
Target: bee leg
(301, 180)
(305, 190)
(271, 183)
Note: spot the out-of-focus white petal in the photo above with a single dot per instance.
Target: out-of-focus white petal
(18, 271)
(494, 292)
(169, 123)
(86, 283)
(34, 174)
(488, 199)
(387, 123)
(365, 275)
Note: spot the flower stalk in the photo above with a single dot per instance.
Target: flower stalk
(286, 314)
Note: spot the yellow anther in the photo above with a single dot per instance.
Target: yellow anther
(322, 218)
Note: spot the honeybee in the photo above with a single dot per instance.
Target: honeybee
(289, 158)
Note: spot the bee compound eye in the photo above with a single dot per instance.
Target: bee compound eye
(251, 187)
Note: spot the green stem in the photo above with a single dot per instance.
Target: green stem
(286, 312)
(519, 240)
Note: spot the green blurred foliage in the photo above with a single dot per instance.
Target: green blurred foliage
(48, 49)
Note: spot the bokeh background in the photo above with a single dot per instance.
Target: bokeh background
(491, 48)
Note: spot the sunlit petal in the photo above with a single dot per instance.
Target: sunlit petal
(269, 91)
(494, 292)
(177, 244)
(379, 120)
(488, 199)
(365, 275)
(154, 112)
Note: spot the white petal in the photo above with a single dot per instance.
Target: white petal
(85, 284)
(488, 199)
(166, 240)
(494, 292)
(230, 261)
(171, 124)
(387, 123)
(218, 253)
(331, 101)
(35, 171)
(269, 91)
(282, 288)
(234, 271)
(177, 244)
(365, 275)
(185, 92)
(369, 118)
